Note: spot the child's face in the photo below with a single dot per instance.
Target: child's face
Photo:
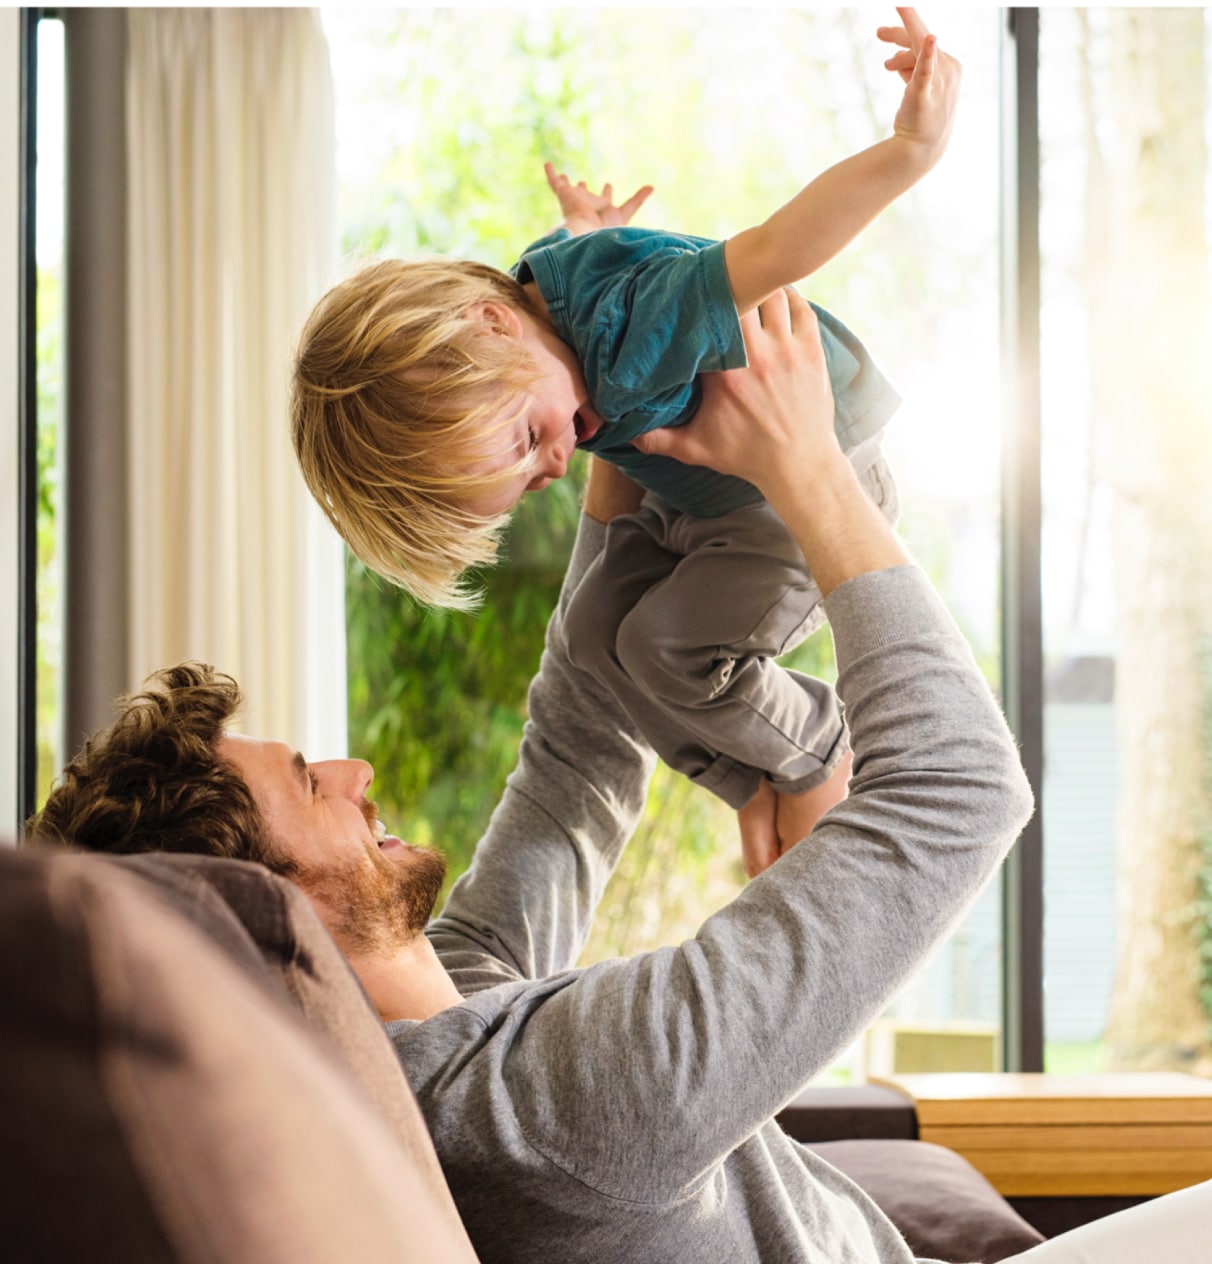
(553, 415)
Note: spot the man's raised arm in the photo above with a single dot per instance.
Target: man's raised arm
(524, 908)
(695, 1047)
(785, 444)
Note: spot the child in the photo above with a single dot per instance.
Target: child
(430, 396)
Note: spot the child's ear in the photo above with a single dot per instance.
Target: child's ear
(498, 318)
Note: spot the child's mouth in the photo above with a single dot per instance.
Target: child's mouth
(586, 423)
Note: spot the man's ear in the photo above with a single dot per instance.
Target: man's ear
(497, 317)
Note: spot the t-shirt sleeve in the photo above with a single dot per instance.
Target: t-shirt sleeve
(519, 270)
(645, 311)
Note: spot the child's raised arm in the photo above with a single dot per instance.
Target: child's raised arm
(830, 212)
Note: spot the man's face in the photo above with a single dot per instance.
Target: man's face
(373, 892)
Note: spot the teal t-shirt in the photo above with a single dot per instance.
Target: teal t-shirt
(646, 312)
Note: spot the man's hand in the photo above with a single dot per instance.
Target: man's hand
(932, 81)
(584, 210)
(772, 423)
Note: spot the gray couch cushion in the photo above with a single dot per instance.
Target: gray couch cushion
(945, 1208)
(264, 921)
(848, 1112)
(163, 1103)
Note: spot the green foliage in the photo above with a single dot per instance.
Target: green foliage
(49, 352)
(437, 697)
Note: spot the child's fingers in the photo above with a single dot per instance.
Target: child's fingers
(923, 72)
(757, 822)
(914, 26)
(903, 62)
(635, 201)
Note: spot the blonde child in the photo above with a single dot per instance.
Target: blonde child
(430, 396)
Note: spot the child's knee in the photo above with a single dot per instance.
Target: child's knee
(672, 672)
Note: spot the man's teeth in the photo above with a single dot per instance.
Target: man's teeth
(378, 829)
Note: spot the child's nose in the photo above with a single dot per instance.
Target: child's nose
(558, 458)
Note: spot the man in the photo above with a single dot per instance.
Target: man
(623, 1112)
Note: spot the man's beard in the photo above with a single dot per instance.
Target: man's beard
(374, 904)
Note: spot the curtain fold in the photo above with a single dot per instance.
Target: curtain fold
(231, 232)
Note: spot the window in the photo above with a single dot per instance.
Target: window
(49, 335)
(1127, 593)
(444, 120)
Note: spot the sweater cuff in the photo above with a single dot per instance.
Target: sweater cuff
(879, 608)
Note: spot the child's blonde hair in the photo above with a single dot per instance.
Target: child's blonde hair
(395, 385)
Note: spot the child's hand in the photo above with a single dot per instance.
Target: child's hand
(932, 85)
(585, 210)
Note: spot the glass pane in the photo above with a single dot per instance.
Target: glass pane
(1127, 457)
(49, 245)
(444, 120)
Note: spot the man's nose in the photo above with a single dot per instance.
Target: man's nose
(349, 778)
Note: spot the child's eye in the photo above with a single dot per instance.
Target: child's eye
(534, 438)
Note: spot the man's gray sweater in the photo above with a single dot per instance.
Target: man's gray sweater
(622, 1113)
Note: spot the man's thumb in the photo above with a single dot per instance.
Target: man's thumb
(660, 442)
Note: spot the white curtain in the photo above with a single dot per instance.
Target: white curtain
(231, 240)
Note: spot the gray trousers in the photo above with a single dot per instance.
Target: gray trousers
(682, 617)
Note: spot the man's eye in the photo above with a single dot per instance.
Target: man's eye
(315, 784)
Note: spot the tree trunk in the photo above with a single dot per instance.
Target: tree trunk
(1151, 338)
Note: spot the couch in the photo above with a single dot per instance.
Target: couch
(192, 1073)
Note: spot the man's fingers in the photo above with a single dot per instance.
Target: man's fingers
(799, 310)
(893, 35)
(661, 442)
(773, 311)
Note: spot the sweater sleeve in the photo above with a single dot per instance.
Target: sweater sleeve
(685, 1051)
(524, 908)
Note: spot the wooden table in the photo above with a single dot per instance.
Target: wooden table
(1065, 1135)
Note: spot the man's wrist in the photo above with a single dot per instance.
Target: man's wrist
(838, 528)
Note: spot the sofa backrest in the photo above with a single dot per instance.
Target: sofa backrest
(165, 1099)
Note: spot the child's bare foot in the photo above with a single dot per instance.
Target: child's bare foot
(798, 813)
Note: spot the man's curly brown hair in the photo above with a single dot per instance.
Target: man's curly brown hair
(152, 780)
